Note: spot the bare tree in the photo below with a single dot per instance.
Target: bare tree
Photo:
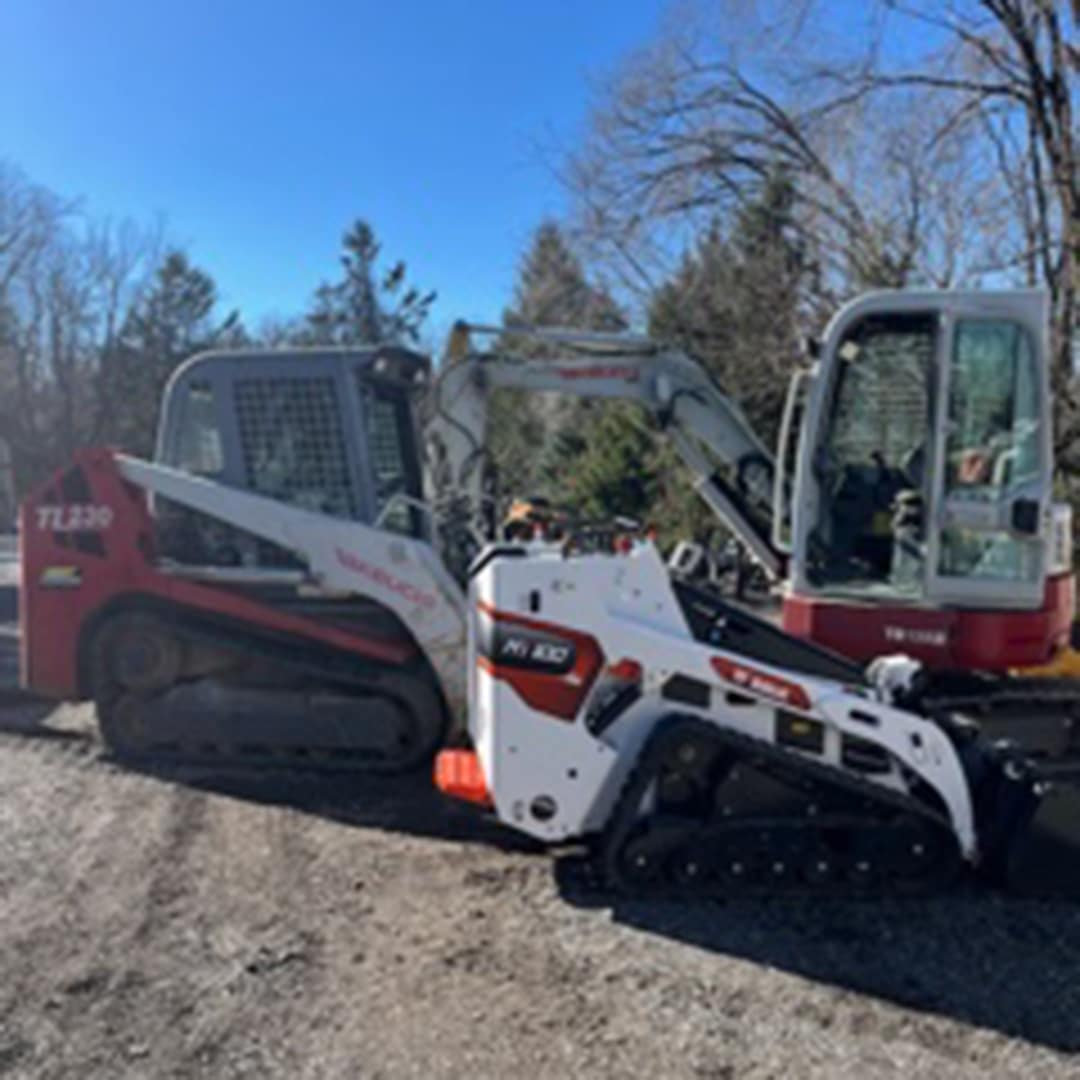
(1008, 70)
(689, 132)
(957, 167)
(66, 284)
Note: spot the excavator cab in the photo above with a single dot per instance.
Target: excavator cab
(328, 430)
(921, 518)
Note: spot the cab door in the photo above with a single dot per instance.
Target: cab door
(993, 455)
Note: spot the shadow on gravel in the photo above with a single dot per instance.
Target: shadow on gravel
(1008, 964)
(986, 959)
(407, 803)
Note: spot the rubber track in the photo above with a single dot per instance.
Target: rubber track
(224, 752)
(760, 755)
(1033, 692)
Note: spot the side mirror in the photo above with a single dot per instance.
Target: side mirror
(1025, 517)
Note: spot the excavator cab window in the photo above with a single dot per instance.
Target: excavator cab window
(991, 448)
(873, 456)
(927, 474)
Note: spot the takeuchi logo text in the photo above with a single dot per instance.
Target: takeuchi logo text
(913, 635)
(382, 577)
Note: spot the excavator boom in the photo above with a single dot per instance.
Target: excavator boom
(730, 467)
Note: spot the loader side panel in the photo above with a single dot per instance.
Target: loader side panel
(89, 546)
(85, 537)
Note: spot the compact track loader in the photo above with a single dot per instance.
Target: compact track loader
(700, 749)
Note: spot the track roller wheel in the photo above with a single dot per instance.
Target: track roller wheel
(423, 719)
(820, 867)
(123, 728)
(862, 874)
(642, 864)
(689, 867)
(130, 656)
(142, 654)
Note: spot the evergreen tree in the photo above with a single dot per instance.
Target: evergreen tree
(364, 307)
(553, 290)
(734, 304)
(612, 471)
(533, 438)
(172, 322)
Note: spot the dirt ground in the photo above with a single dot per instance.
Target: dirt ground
(201, 924)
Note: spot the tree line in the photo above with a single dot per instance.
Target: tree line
(95, 317)
(740, 176)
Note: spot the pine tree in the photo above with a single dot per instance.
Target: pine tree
(553, 290)
(612, 471)
(534, 437)
(172, 322)
(734, 304)
(364, 307)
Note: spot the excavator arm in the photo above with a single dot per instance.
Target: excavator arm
(731, 467)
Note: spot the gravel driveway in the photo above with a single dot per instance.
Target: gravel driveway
(196, 924)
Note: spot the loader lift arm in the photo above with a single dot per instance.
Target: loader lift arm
(420, 591)
(732, 469)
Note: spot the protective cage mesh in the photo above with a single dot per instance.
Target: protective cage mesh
(293, 444)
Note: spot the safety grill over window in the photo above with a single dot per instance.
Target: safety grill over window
(293, 443)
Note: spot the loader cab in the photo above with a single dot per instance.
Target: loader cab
(921, 466)
(328, 430)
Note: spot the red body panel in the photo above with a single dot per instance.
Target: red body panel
(746, 677)
(559, 695)
(87, 540)
(959, 639)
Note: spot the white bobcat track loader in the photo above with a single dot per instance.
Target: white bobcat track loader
(697, 748)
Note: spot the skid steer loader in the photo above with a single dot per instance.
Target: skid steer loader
(266, 589)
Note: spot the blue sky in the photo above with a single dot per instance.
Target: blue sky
(260, 129)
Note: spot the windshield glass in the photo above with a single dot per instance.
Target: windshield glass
(870, 463)
(992, 449)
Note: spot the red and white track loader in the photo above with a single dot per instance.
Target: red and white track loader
(262, 591)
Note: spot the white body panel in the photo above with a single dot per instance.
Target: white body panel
(626, 604)
(342, 556)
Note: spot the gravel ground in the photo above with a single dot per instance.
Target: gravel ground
(201, 924)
